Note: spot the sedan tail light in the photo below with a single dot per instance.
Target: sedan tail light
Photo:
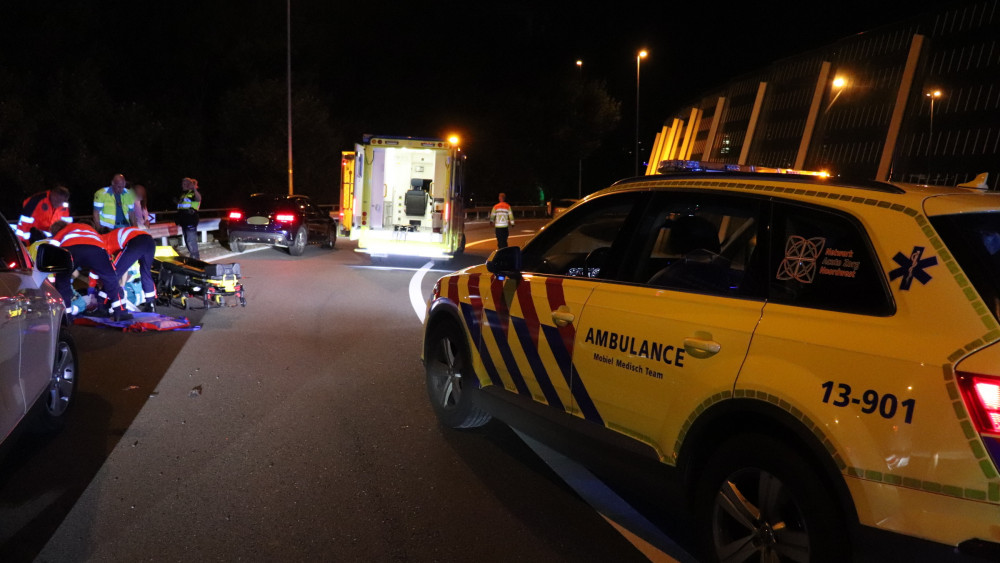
(235, 215)
(284, 218)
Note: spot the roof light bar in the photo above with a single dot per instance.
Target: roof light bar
(702, 166)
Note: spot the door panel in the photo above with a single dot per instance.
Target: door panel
(11, 396)
(649, 357)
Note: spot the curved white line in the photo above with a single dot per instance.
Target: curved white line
(416, 297)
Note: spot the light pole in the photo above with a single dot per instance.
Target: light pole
(579, 180)
(288, 20)
(933, 95)
(638, 58)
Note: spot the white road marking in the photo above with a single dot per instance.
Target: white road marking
(485, 240)
(645, 536)
(416, 294)
(231, 254)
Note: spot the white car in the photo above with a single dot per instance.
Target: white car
(38, 364)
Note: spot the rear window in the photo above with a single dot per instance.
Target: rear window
(974, 241)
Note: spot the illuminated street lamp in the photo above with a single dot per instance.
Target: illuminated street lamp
(933, 95)
(839, 85)
(638, 58)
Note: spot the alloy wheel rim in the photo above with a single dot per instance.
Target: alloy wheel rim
(756, 517)
(447, 375)
(62, 381)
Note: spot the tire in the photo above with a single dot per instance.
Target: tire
(461, 246)
(758, 500)
(236, 245)
(52, 406)
(331, 237)
(298, 245)
(450, 379)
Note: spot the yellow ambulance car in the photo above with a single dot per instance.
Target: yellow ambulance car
(815, 357)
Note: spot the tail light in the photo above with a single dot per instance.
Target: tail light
(284, 218)
(235, 215)
(981, 394)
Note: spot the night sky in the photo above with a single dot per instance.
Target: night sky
(172, 89)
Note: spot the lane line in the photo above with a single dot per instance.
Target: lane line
(416, 294)
(645, 536)
(397, 268)
(468, 244)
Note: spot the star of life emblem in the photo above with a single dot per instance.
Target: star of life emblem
(801, 258)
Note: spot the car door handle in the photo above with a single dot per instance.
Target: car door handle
(562, 316)
(701, 347)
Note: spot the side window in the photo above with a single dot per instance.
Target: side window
(10, 250)
(583, 243)
(705, 243)
(824, 260)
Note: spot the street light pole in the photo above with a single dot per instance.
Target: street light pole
(638, 58)
(288, 20)
(579, 180)
(933, 96)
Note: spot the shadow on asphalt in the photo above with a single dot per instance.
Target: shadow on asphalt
(41, 478)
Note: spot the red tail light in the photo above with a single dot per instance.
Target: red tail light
(981, 394)
(284, 217)
(235, 215)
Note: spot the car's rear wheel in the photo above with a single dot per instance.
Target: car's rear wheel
(758, 500)
(55, 402)
(450, 379)
(298, 245)
(331, 237)
(236, 245)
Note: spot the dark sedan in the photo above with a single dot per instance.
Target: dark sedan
(284, 221)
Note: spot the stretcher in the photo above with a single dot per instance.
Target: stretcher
(180, 278)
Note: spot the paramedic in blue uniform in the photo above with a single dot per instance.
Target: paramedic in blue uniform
(502, 218)
(187, 214)
(88, 251)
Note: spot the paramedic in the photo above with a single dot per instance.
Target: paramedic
(502, 218)
(130, 245)
(187, 214)
(114, 205)
(40, 211)
(88, 251)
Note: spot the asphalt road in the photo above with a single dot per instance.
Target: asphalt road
(296, 428)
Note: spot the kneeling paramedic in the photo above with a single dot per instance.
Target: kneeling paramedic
(130, 245)
(88, 251)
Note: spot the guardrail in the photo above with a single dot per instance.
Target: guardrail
(211, 220)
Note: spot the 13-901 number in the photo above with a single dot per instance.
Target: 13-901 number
(886, 404)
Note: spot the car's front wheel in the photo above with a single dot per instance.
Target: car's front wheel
(298, 245)
(450, 379)
(758, 500)
(52, 406)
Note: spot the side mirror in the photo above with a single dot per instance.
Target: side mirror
(51, 259)
(505, 261)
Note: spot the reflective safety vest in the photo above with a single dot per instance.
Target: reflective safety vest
(187, 201)
(37, 211)
(104, 203)
(501, 215)
(115, 241)
(78, 233)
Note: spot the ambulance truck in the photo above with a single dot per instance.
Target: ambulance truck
(405, 198)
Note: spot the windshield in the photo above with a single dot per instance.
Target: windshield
(974, 241)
